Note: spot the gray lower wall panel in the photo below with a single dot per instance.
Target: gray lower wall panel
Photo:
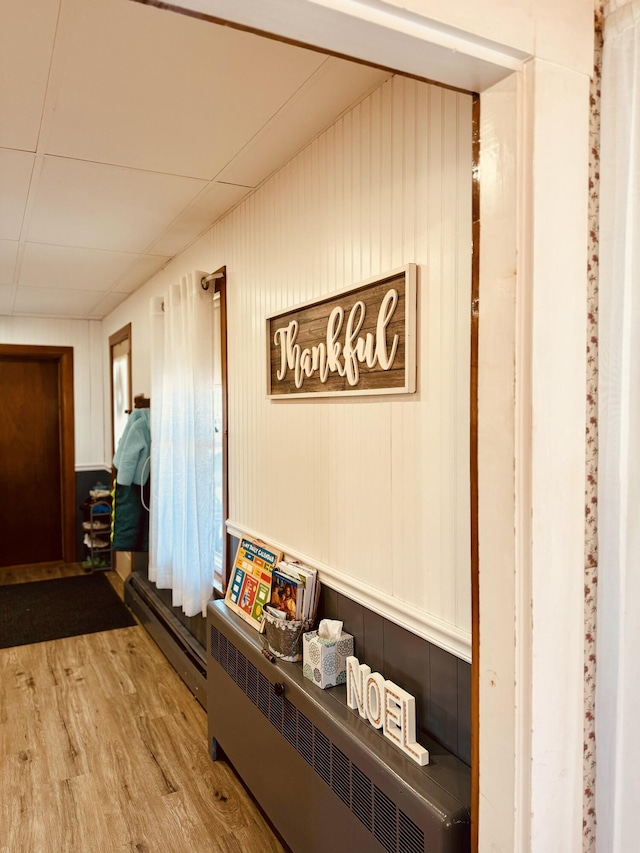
(440, 682)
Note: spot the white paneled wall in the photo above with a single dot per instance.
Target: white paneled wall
(375, 490)
(85, 336)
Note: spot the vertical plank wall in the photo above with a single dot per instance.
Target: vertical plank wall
(377, 490)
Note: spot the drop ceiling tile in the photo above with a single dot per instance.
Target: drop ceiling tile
(166, 92)
(49, 302)
(6, 299)
(27, 32)
(72, 268)
(8, 257)
(200, 215)
(334, 88)
(144, 268)
(15, 177)
(95, 206)
(106, 305)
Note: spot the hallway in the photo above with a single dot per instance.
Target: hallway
(103, 748)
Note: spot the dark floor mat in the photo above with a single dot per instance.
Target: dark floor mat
(65, 607)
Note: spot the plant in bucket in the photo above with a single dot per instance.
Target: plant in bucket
(284, 636)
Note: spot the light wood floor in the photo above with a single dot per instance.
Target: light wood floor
(103, 748)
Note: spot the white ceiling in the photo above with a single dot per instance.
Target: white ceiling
(126, 130)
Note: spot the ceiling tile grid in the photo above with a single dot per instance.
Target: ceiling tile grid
(7, 295)
(27, 34)
(71, 267)
(104, 206)
(8, 258)
(16, 168)
(127, 130)
(46, 302)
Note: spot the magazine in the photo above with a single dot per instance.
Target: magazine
(286, 595)
(294, 590)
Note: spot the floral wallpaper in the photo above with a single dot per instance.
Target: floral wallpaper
(591, 501)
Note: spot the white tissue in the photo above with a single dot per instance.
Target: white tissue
(330, 629)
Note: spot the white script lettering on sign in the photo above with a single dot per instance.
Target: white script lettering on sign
(332, 356)
(386, 706)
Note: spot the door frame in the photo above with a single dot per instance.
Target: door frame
(63, 357)
(116, 338)
(220, 289)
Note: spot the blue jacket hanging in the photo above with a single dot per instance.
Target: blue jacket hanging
(134, 448)
(131, 483)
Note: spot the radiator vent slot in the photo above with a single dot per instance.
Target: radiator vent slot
(305, 738)
(290, 723)
(223, 652)
(341, 776)
(232, 661)
(275, 712)
(322, 755)
(361, 796)
(265, 692)
(385, 822)
(410, 836)
(241, 672)
(391, 827)
(252, 683)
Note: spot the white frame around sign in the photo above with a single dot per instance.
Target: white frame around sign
(411, 310)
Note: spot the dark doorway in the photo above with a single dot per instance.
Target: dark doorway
(37, 508)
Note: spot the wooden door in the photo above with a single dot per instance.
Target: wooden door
(36, 501)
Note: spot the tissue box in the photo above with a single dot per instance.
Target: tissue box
(324, 661)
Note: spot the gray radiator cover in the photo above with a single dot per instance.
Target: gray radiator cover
(328, 781)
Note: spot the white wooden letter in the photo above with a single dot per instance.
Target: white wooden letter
(385, 314)
(400, 722)
(357, 675)
(375, 699)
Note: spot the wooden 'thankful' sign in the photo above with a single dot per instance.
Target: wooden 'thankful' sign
(358, 341)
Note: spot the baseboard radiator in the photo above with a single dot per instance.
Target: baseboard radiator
(183, 652)
(326, 779)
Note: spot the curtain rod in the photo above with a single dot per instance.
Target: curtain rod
(204, 281)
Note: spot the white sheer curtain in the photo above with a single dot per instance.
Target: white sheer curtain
(184, 461)
(618, 628)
